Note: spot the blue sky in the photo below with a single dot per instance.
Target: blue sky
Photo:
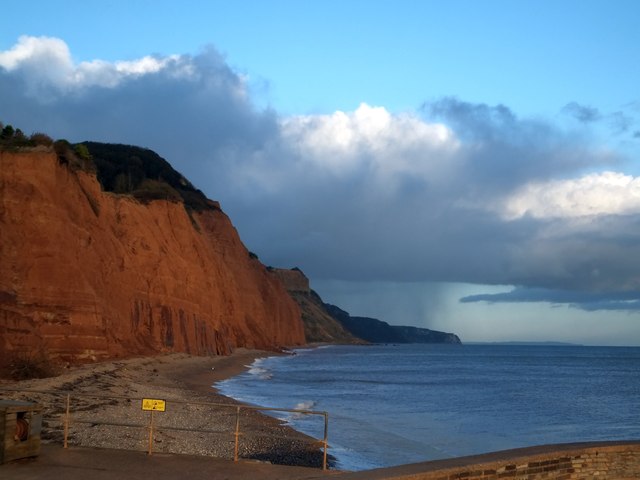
(468, 166)
(332, 55)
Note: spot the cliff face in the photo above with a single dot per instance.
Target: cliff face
(319, 325)
(86, 274)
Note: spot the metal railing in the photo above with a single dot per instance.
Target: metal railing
(71, 417)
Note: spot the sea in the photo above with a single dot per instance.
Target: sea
(398, 404)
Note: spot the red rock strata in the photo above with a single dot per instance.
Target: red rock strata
(87, 275)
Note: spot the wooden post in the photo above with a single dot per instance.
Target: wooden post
(151, 433)
(326, 434)
(235, 453)
(66, 422)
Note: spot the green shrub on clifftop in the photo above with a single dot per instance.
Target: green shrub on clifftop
(155, 190)
(125, 169)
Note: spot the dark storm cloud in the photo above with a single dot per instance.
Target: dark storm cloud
(362, 196)
(582, 113)
(629, 301)
(506, 151)
(435, 225)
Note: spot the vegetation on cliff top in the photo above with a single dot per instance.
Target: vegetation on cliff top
(121, 169)
(14, 138)
(141, 172)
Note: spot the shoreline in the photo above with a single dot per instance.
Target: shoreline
(222, 368)
(180, 378)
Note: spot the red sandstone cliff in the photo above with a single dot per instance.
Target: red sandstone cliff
(88, 275)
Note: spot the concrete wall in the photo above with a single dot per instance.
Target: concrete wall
(578, 461)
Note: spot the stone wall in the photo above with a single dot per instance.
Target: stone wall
(584, 461)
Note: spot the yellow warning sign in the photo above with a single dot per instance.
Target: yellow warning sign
(153, 404)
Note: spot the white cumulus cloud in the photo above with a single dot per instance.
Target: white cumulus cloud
(47, 66)
(43, 62)
(604, 193)
(42, 51)
(371, 137)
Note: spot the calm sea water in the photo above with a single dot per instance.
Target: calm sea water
(390, 405)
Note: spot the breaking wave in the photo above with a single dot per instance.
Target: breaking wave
(306, 405)
(259, 371)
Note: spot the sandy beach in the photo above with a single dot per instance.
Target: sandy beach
(197, 421)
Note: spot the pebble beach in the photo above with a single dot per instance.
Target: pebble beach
(197, 420)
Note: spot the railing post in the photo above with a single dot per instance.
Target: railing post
(151, 433)
(66, 422)
(326, 433)
(235, 453)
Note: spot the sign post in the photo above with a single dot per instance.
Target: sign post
(152, 405)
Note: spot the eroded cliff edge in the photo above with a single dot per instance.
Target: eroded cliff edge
(319, 325)
(87, 274)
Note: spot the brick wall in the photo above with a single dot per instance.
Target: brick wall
(585, 461)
